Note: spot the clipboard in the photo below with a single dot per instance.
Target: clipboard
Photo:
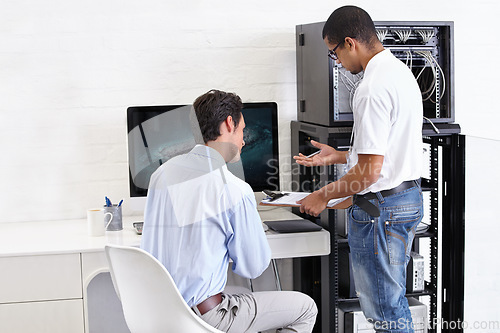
(289, 199)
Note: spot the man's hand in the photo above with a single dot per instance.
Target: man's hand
(327, 156)
(313, 204)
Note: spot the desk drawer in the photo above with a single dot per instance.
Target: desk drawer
(42, 317)
(39, 278)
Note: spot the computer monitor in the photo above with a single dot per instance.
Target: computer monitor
(157, 133)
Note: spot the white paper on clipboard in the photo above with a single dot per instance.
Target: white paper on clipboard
(290, 199)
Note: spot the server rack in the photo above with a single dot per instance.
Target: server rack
(324, 114)
(320, 278)
(324, 90)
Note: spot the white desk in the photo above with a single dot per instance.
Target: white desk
(47, 266)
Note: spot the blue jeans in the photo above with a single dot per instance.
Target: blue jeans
(380, 251)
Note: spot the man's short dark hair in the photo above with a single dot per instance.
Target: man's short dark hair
(349, 21)
(212, 108)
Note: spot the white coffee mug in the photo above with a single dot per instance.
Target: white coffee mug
(95, 221)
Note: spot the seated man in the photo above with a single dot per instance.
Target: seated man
(199, 216)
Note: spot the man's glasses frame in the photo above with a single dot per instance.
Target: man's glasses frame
(332, 54)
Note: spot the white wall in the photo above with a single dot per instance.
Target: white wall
(69, 69)
(482, 271)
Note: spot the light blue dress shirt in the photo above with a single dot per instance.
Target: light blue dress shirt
(198, 216)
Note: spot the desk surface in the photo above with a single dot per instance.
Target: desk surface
(70, 236)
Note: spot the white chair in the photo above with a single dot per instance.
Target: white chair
(151, 301)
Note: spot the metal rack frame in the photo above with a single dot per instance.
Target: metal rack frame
(319, 277)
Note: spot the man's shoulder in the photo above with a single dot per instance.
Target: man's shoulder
(173, 163)
(389, 75)
(238, 185)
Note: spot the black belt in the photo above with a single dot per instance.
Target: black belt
(362, 200)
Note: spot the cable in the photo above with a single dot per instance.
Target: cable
(443, 86)
(409, 56)
(426, 35)
(381, 34)
(351, 84)
(432, 86)
(403, 35)
(435, 67)
(432, 124)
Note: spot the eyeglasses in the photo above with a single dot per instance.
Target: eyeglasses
(332, 54)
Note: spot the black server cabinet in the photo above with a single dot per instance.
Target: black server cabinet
(324, 90)
(324, 278)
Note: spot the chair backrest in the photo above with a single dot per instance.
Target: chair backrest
(151, 302)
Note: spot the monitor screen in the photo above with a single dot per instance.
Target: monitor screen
(260, 154)
(157, 133)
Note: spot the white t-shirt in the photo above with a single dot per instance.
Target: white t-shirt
(388, 111)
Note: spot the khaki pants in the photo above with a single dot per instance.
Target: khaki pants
(284, 311)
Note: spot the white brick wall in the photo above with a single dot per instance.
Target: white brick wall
(69, 69)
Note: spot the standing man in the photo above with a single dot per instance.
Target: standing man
(199, 216)
(385, 162)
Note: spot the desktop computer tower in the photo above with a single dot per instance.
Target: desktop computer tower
(325, 90)
(352, 319)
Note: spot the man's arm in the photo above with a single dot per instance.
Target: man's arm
(365, 173)
(248, 246)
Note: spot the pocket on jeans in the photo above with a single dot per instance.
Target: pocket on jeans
(399, 232)
(408, 214)
(360, 233)
(359, 216)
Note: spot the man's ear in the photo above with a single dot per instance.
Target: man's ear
(228, 125)
(351, 43)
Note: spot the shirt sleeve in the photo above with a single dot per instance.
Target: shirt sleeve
(372, 121)
(247, 245)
